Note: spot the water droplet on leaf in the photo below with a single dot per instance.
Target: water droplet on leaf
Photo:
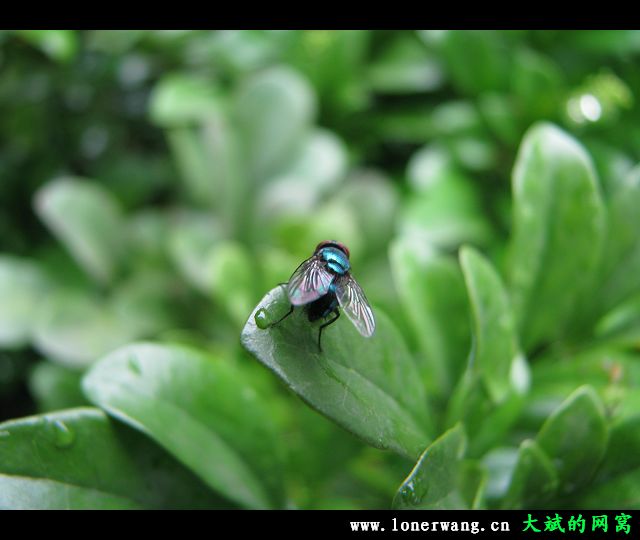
(64, 435)
(262, 318)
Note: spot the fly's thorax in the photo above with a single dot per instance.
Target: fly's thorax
(336, 260)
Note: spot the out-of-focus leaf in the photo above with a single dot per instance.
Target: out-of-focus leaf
(534, 479)
(616, 483)
(456, 118)
(147, 231)
(472, 483)
(621, 257)
(613, 373)
(620, 492)
(274, 109)
(88, 222)
(607, 41)
(375, 201)
(141, 302)
(182, 100)
(406, 66)
(486, 423)
(369, 386)
(315, 171)
(433, 483)
(232, 278)
(333, 220)
(234, 52)
(432, 292)
(538, 84)
(557, 210)
(55, 387)
(612, 165)
(575, 437)
(621, 325)
(60, 45)
(496, 355)
(623, 450)
(203, 141)
(75, 329)
(80, 459)
(22, 287)
(202, 410)
(447, 212)
(499, 111)
(476, 61)
(334, 63)
(191, 241)
(500, 463)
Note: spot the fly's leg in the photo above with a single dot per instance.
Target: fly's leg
(324, 326)
(283, 317)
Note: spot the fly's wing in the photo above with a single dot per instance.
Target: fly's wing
(310, 281)
(355, 304)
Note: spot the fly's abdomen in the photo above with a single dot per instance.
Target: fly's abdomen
(322, 307)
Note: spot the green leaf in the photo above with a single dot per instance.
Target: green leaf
(314, 172)
(181, 100)
(495, 356)
(575, 437)
(302, 230)
(60, 45)
(499, 112)
(374, 200)
(191, 241)
(500, 463)
(405, 67)
(486, 422)
(75, 328)
(370, 387)
(87, 220)
(621, 258)
(334, 63)
(274, 109)
(22, 286)
(537, 82)
(447, 211)
(432, 293)
(203, 411)
(232, 278)
(623, 450)
(433, 482)
(476, 61)
(473, 479)
(557, 210)
(534, 479)
(55, 387)
(606, 41)
(620, 492)
(80, 459)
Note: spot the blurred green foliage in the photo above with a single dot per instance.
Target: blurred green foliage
(155, 185)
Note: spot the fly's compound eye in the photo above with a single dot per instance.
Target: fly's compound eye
(333, 243)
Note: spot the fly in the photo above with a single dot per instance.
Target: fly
(323, 283)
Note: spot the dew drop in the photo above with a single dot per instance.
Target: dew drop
(262, 319)
(64, 436)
